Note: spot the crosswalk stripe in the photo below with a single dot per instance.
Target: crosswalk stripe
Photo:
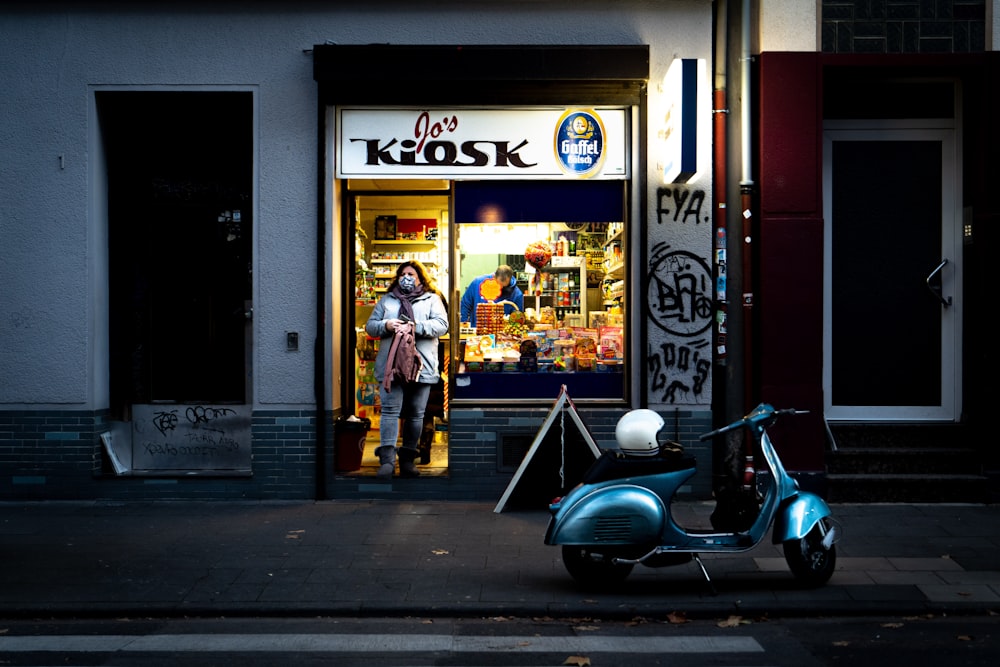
(208, 643)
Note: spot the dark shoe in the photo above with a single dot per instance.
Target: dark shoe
(387, 457)
(407, 462)
(426, 442)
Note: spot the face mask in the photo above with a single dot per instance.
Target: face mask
(407, 283)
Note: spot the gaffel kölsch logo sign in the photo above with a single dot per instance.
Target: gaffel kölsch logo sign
(579, 142)
(481, 143)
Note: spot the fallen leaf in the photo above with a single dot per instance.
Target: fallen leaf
(586, 627)
(733, 621)
(439, 552)
(577, 660)
(892, 625)
(965, 638)
(842, 642)
(677, 617)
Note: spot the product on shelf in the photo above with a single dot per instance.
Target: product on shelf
(489, 318)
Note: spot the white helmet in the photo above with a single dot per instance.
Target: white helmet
(636, 432)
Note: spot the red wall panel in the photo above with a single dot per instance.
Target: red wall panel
(789, 293)
(790, 133)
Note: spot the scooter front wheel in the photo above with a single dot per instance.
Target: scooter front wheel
(807, 558)
(594, 569)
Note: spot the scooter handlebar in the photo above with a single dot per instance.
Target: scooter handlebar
(720, 431)
(761, 413)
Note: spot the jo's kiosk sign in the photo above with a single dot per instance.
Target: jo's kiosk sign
(482, 143)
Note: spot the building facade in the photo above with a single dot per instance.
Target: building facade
(875, 215)
(202, 205)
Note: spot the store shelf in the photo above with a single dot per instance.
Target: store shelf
(423, 242)
(615, 270)
(555, 296)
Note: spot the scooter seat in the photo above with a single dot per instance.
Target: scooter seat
(613, 464)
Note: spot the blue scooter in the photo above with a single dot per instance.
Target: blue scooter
(619, 515)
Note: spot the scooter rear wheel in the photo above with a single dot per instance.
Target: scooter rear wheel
(808, 560)
(594, 569)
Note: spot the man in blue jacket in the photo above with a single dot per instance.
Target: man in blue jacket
(509, 291)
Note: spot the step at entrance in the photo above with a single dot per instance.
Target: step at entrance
(903, 463)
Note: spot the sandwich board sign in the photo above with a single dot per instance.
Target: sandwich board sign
(556, 461)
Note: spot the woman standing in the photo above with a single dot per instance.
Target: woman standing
(413, 304)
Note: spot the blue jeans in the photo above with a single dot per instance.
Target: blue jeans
(406, 402)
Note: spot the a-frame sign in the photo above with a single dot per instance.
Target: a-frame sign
(556, 461)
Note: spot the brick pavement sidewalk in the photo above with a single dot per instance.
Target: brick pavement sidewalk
(390, 558)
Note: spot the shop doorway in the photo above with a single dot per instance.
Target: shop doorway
(892, 296)
(388, 228)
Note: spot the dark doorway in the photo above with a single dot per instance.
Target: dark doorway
(893, 288)
(180, 167)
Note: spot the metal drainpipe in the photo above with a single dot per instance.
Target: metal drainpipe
(746, 200)
(720, 112)
(719, 181)
(746, 203)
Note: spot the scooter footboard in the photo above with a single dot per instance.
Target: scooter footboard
(797, 516)
(619, 514)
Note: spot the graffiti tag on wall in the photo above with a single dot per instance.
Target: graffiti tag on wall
(679, 292)
(191, 437)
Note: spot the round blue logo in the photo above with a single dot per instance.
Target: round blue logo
(579, 142)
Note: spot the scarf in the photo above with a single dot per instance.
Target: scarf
(406, 300)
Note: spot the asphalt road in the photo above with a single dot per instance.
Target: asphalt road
(734, 641)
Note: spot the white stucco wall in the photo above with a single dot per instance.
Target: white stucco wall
(52, 331)
(788, 25)
(993, 22)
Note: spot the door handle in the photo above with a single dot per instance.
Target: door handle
(937, 290)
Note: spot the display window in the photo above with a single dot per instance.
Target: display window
(559, 320)
(564, 242)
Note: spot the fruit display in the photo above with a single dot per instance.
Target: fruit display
(517, 324)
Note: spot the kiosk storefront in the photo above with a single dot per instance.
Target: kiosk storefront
(472, 158)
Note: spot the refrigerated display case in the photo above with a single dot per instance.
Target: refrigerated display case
(561, 286)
